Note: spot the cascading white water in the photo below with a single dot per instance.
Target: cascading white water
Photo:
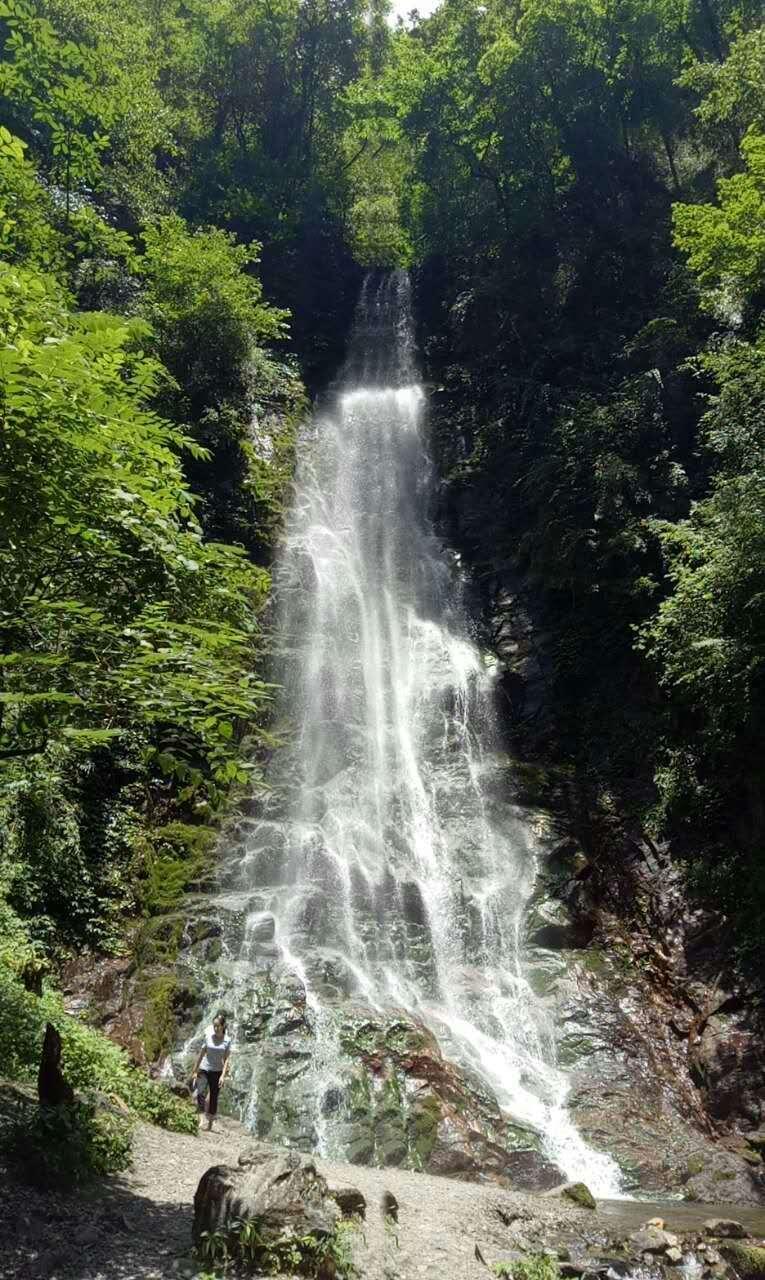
(397, 860)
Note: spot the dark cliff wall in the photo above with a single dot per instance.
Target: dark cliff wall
(579, 711)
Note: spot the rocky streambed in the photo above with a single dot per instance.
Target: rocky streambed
(562, 1233)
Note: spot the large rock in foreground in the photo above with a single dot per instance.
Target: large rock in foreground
(283, 1192)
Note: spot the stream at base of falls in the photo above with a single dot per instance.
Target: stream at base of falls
(372, 905)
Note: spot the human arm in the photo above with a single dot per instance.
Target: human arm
(226, 1061)
(198, 1062)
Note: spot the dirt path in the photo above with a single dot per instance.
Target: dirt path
(137, 1226)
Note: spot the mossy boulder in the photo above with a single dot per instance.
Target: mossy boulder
(580, 1194)
(747, 1260)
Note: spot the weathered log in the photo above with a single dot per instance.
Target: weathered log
(52, 1087)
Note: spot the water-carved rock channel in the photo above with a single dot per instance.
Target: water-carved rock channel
(368, 930)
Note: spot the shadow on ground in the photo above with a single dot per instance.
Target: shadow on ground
(106, 1232)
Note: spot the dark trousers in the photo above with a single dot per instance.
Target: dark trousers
(208, 1080)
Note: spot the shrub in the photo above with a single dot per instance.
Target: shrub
(67, 1145)
(243, 1246)
(538, 1266)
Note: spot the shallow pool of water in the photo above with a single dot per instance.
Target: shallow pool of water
(681, 1216)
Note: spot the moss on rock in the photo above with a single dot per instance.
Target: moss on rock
(391, 1146)
(174, 858)
(747, 1260)
(580, 1194)
(422, 1129)
(160, 1023)
(159, 941)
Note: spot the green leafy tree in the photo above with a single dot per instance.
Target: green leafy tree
(725, 243)
(56, 86)
(213, 330)
(207, 308)
(110, 592)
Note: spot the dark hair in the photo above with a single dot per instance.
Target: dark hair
(220, 1017)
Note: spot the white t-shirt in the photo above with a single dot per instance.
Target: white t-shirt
(215, 1051)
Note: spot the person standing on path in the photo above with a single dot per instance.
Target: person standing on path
(211, 1069)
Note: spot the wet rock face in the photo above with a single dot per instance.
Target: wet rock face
(525, 671)
(645, 1066)
(400, 1104)
(729, 1063)
(630, 1090)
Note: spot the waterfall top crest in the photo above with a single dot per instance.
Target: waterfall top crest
(381, 346)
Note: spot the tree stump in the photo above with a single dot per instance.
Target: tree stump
(52, 1088)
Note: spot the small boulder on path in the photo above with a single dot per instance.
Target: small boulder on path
(284, 1191)
(725, 1228)
(349, 1199)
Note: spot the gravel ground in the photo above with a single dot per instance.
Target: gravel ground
(137, 1226)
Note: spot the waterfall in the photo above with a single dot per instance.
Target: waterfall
(388, 854)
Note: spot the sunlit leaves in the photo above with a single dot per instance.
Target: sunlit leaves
(725, 243)
(116, 613)
(202, 294)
